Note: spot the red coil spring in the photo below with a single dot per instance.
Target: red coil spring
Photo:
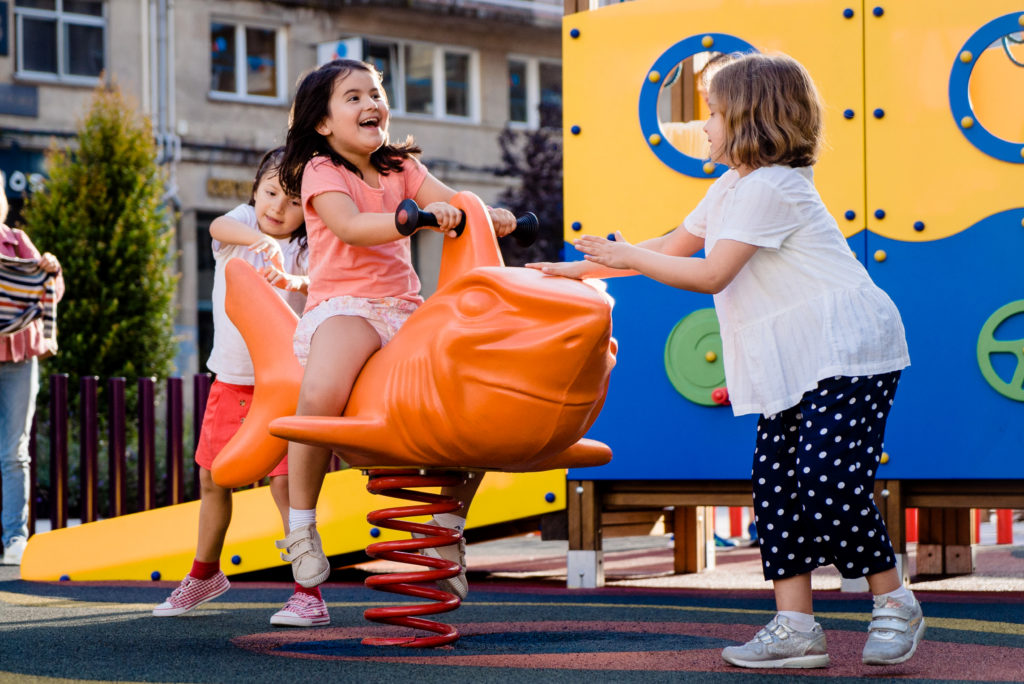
(394, 483)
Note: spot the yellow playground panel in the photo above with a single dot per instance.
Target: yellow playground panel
(160, 544)
(883, 71)
(614, 178)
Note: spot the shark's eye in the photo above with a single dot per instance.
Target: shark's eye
(476, 302)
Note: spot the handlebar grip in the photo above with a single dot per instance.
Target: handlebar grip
(409, 217)
(526, 230)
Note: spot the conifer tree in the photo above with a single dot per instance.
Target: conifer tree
(101, 212)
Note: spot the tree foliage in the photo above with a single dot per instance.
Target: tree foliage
(103, 215)
(535, 158)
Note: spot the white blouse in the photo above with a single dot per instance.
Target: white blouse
(803, 308)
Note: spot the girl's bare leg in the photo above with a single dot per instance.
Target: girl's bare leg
(884, 582)
(794, 594)
(338, 351)
(279, 490)
(465, 492)
(214, 518)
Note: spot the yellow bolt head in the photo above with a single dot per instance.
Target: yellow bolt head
(885, 458)
(707, 41)
(880, 255)
(711, 357)
(654, 139)
(967, 122)
(709, 167)
(966, 56)
(654, 77)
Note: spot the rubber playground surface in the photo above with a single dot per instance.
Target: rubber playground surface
(519, 624)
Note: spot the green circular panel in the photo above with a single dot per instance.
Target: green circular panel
(686, 357)
(988, 345)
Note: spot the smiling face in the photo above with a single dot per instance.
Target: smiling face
(357, 118)
(277, 213)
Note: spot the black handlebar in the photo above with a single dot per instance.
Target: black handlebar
(409, 217)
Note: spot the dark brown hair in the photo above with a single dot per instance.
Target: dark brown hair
(271, 164)
(771, 109)
(310, 107)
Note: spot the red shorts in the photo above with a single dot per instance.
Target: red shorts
(226, 408)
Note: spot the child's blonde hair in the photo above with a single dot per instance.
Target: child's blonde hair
(771, 109)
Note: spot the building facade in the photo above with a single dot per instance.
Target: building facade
(217, 78)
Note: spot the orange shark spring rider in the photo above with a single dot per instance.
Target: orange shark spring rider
(501, 369)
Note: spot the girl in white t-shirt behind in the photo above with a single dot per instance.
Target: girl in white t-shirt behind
(270, 234)
(809, 343)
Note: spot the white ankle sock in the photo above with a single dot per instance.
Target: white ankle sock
(801, 622)
(903, 595)
(300, 518)
(451, 520)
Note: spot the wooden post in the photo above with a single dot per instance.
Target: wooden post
(585, 561)
(691, 527)
(945, 536)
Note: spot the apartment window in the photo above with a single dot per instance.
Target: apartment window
(62, 40)
(419, 78)
(456, 84)
(532, 83)
(438, 81)
(246, 62)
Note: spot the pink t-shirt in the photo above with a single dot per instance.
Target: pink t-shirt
(336, 268)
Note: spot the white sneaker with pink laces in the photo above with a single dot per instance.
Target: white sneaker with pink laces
(302, 610)
(191, 593)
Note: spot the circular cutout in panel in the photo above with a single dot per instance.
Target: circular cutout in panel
(666, 70)
(693, 357)
(989, 346)
(991, 35)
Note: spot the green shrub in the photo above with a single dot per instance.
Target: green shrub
(103, 215)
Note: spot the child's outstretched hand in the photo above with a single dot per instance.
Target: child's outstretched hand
(611, 253)
(285, 281)
(568, 269)
(504, 221)
(269, 247)
(447, 217)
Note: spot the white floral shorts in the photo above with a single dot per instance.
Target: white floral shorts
(385, 314)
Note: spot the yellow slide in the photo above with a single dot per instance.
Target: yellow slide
(160, 544)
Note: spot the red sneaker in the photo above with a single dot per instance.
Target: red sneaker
(302, 610)
(192, 592)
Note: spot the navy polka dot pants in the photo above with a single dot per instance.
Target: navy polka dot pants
(814, 478)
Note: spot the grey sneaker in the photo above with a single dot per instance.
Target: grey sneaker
(455, 553)
(779, 645)
(306, 554)
(894, 633)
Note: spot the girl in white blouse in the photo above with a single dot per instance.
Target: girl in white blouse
(809, 342)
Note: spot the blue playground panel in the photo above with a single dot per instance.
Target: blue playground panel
(946, 290)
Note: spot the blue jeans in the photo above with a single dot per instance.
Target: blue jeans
(19, 384)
